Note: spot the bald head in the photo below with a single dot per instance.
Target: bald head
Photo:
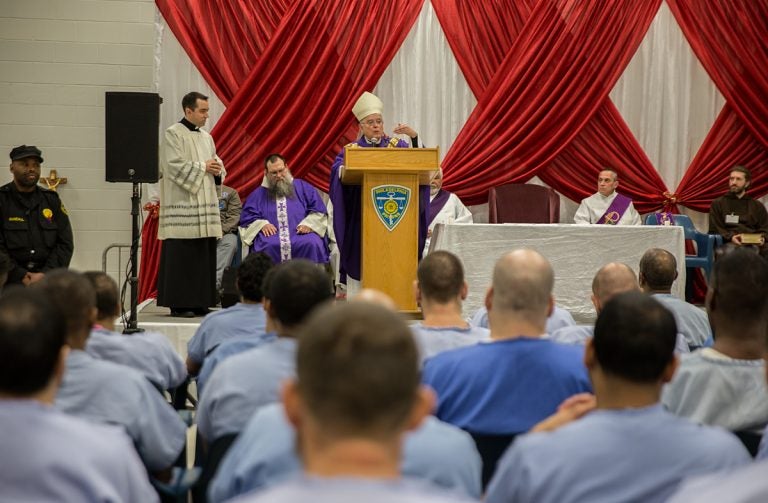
(522, 285)
(658, 270)
(373, 296)
(612, 279)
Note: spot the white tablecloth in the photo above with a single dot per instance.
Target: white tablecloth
(576, 252)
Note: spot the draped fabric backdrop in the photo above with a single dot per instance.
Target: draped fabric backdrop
(509, 90)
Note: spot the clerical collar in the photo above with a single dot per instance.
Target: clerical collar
(372, 141)
(189, 125)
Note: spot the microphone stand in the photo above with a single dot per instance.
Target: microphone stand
(132, 326)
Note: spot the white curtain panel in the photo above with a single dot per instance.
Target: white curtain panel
(424, 87)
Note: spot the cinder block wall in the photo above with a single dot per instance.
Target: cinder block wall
(57, 58)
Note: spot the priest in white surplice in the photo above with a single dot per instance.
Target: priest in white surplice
(444, 207)
(189, 222)
(607, 206)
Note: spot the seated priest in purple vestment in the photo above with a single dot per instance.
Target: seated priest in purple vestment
(346, 198)
(444, 207)
(607, 206)
(285, 217)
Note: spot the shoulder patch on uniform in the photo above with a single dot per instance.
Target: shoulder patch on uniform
(64, 210)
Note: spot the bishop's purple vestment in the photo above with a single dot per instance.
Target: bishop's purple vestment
(347, 213)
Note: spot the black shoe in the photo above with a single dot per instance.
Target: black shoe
(201, 311)
(182, 313)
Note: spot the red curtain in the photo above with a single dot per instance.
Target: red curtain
(547, 110)
(298, 96)
(540, 69)
(289, 72)
(150, 255)
(731, 41)
(223, 38)
(728, 143)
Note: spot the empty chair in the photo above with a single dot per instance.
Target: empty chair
(523, 203)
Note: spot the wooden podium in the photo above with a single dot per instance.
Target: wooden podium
(390, 179)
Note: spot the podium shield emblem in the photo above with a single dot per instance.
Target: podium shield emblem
(391, 203)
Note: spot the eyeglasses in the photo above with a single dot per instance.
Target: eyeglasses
(372, 122)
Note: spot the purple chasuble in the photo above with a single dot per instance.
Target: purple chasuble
(347, 214)
(305, 200)
(437, 204)
(616, 210)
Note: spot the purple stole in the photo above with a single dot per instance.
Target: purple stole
(437, 204)
(616, 210)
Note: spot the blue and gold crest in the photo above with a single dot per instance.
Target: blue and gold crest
(391, 203)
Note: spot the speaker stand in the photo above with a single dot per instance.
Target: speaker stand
(132, 326)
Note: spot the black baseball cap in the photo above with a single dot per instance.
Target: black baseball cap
(24, 151)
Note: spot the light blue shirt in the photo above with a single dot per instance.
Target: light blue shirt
(613, 455)
(432, 340)
(691, 321)
(578, 334)
(148, 352)
(711, 388)
(107, 392)
(236, 322)
(352, 490)
(225, 350)
(762, 452)
(243, 383)
(745, 485)
(265, 454)
(558, 319)
(46, 455)
(573, 334)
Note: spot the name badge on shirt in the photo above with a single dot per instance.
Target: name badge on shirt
(732, 219)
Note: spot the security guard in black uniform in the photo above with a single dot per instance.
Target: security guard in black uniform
(35, 232)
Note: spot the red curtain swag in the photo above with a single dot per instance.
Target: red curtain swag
(540, 69)
(289, 84)
(729, 38)
(548, 113)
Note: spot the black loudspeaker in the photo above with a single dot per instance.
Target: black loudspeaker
(131, 127)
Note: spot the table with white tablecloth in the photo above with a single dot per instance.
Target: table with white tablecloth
(576, 252)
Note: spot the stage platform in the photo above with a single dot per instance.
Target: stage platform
(153, 318)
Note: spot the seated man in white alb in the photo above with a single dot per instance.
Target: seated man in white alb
(607, 206)
(285, 217)
(440, 290)
(444, 207)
